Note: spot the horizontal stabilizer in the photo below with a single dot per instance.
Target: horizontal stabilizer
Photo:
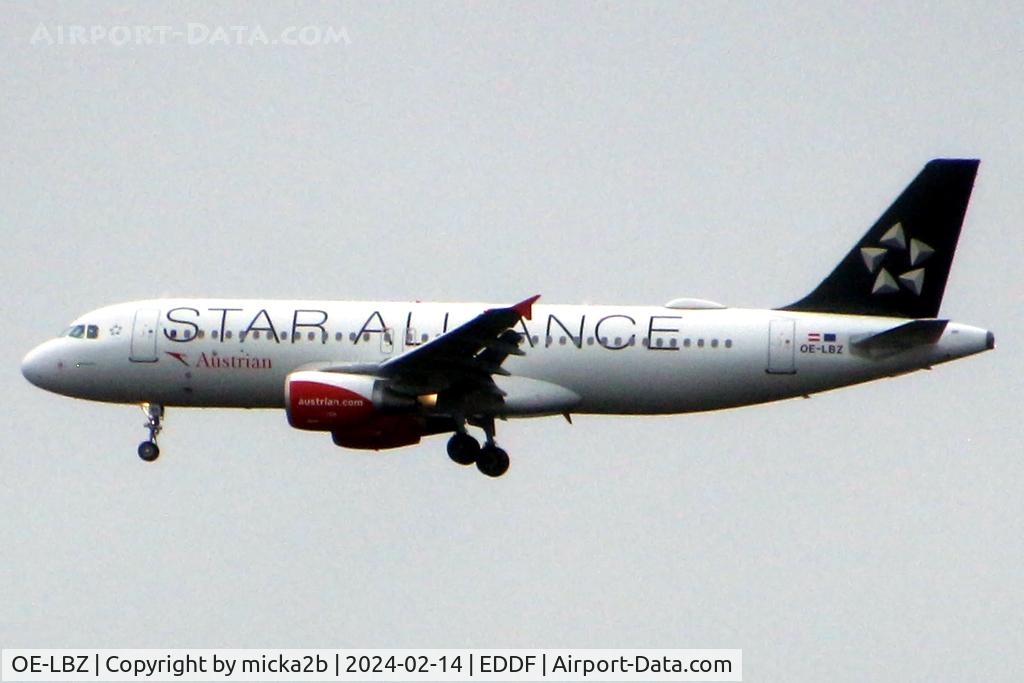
(899, 339)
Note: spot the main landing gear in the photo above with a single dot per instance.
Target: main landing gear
(489, 459)
(148, 450)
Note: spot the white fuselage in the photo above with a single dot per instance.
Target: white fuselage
(617, 359)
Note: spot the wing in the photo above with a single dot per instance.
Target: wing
(463, 361)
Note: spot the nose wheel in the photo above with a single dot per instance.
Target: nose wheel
(148, 450)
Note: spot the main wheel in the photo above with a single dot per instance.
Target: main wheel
(463, 449)
(149, 451)
(492, 461)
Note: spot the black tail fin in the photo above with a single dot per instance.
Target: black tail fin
(899, 268)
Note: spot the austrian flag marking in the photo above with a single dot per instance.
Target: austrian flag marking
(819, 337)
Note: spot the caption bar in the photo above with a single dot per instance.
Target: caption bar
(371, 665)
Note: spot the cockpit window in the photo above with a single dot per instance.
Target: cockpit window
(83, 332)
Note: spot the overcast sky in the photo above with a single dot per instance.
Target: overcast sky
(628, 153)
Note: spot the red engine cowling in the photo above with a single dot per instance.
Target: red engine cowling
(358, 410)
(382, 431)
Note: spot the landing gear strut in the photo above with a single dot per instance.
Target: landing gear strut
(492, 461)
(148, 450)
(465, 450)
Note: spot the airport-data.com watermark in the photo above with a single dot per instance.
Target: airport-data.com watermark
(242, 35)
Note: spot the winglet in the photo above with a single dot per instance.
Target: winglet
(525, 307)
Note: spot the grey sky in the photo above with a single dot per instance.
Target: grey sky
(623, 154)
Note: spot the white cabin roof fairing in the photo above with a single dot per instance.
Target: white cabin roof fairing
(694, 304)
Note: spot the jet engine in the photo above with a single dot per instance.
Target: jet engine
(382, 431)
(339, 402)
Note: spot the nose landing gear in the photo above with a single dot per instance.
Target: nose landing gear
(148, 450)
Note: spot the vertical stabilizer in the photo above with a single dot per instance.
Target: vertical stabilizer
(900, 267)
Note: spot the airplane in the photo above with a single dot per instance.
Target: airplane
(380, 375)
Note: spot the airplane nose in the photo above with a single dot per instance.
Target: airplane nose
(990, 341)
(32, 366)
(39, 365)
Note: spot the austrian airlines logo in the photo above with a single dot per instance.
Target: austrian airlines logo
(180, 357)
(214, 360)
(894, 242)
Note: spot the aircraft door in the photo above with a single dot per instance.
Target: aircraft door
(782, 347)
(144, 326)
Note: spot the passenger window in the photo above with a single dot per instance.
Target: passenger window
(686, 342)
(92, 332)
(227, 334)
(728, 343)
(214, 334)
(338, 336)
(255, 334)
(700, 343)
(352, 336)
(200, 334)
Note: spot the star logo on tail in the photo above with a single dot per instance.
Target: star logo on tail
(901, 256)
